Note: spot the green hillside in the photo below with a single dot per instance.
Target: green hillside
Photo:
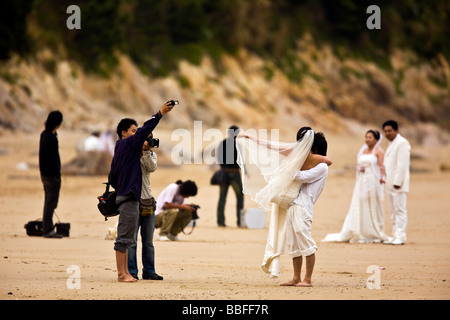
(296, 60)
(156, 33)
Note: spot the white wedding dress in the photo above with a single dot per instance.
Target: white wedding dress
(268, 177)
(364, 222)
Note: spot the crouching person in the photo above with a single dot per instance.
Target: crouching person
(172, 215)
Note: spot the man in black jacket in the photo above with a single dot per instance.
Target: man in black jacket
(50, 168)
(227, 158)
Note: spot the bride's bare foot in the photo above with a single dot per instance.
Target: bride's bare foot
(126, 278)
(304, 284)
(289, 283)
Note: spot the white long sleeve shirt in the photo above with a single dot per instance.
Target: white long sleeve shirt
(397, 163)
(170, 195)
(313, 183)
(148, 165)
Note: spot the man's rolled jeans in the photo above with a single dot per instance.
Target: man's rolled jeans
(128, 215)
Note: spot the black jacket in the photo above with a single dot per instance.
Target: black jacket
(125, 175)
(49, 160)
(227, 154)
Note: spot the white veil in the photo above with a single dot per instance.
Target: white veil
(268, 168)
(268, 172)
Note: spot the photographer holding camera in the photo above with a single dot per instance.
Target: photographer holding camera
(125, 177)
(172, 215)
(146, 220)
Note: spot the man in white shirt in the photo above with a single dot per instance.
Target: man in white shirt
(172, 215)
(146, 220)
(300, 214)
(396, 162)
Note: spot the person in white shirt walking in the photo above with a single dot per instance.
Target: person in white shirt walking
(397, 162)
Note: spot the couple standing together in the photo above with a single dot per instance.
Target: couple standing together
(287, 179)
(364, 222)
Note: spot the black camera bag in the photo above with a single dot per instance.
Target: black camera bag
(34, 228)
(107, 203)
(63, 228)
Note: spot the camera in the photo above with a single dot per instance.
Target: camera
(172, 102)
(194, 213)
(153, 142)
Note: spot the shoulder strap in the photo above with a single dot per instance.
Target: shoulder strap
(193, 226)
(107, 187)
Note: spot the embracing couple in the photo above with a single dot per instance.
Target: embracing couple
(286, 179)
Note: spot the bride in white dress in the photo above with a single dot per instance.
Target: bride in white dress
(364, 222)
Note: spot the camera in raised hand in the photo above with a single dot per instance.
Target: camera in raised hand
(153, 142)
(172, 102)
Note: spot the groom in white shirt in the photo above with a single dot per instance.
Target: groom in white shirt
(396, 162)
(299, 216)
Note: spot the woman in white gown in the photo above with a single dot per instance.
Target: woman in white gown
(364, 222)
(269, 169)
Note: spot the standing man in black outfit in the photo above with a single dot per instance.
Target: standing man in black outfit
(50, 168)
(227, 158)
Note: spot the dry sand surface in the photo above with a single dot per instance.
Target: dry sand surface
(218, 263)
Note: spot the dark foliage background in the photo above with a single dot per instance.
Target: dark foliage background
(156, 33)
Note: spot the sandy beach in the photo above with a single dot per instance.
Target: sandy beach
(218, 263)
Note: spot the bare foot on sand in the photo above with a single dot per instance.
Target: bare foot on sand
(304, 284)
(126, 278)
(289, 283)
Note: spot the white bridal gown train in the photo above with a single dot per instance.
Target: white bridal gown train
(364, 222)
